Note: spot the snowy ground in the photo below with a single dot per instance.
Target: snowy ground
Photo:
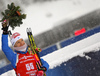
(86, 45)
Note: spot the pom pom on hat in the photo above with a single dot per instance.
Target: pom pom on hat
(15, 37)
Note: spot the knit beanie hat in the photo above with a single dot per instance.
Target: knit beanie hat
(16, 36)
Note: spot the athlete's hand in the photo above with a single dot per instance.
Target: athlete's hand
(38, 49)
(5, 26)
(40, 73)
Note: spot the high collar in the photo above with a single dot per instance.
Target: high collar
(22, 52)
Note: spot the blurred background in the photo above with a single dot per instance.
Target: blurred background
(53, 21)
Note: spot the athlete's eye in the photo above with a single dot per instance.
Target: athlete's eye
(22, 40)
(18, 42)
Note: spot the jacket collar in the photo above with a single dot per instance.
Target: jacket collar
(22, 52)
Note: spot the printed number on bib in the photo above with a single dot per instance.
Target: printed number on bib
(29, 66)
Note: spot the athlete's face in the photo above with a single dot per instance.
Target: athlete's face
(19, 43)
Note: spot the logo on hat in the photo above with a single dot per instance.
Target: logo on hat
(16, 36)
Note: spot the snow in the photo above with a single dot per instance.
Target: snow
(91, 43)
(42, 17)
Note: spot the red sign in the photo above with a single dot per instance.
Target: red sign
(78, 32)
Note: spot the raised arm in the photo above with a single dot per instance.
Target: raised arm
(11, 56)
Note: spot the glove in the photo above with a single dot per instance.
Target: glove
(40, 73)
(5, 27)
(38, 49)
(43, 69)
